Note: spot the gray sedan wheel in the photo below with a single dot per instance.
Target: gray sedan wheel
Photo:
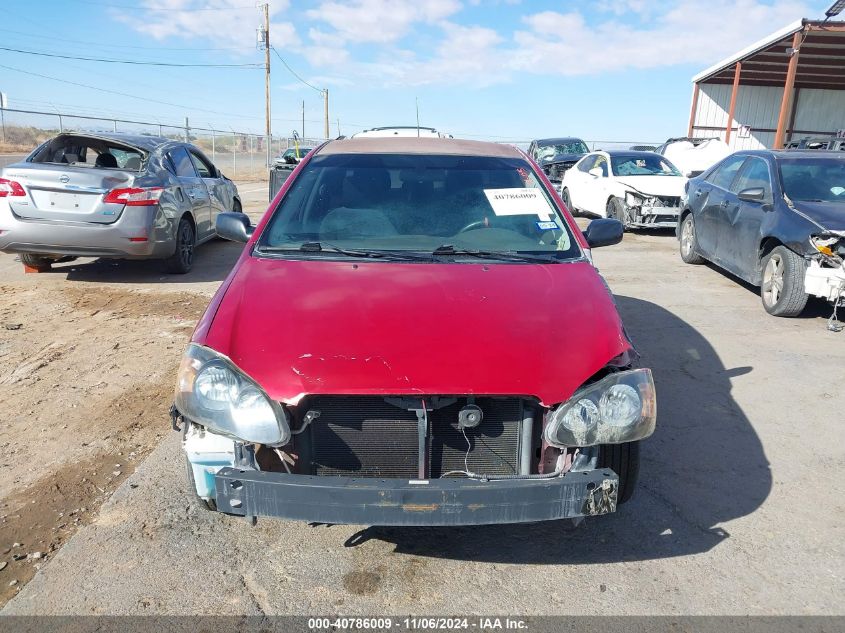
(689, 244)
(782, 291)
(183, 258)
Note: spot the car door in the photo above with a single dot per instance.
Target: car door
(739, 221)
(193, 187)
(709, 199)
(219, 195)
(576, 181)
(597, 189)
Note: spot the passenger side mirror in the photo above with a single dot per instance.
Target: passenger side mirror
(234, 226)
(753, 194)
(596, 172)
(604, 232)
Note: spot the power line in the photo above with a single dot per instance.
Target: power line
(181, 106)
(131, 7)
(293, 72)
(128, 61)
(142, 48)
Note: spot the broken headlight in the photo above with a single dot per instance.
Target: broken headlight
(211, 391)
(634, 200)
(829, 245)
(621, 407)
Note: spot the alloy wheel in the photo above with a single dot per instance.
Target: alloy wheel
(773, 280)
(687, 237)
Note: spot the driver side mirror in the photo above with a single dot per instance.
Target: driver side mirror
(596, 172)
(753, 194)
(234, 226)
(604, 232)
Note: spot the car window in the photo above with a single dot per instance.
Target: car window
(754, 173)
(601, 163)
(182, 164)
(813, 179)
(203, 167)
(587, 164)
(417, 203)
(725, 173)
(645, 164)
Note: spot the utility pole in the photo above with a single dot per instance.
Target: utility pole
(326, 112)
(266, 42)
(303, 119)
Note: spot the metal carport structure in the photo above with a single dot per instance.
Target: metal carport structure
(788, 85)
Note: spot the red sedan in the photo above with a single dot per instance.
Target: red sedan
(414, 335)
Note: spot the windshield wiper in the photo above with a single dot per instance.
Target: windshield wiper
(321, 247)
(449, 249)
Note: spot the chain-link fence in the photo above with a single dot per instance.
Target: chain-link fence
(238, 154)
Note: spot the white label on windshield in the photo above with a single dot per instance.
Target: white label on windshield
(519, 202)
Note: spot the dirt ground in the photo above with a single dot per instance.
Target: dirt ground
(88, 356)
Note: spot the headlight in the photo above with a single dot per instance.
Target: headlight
(619, 408)
(633, 200)
(211, 391)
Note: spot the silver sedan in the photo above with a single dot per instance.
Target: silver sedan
(112, 195)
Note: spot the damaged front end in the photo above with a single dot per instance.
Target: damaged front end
(405, 460)
(825, 275)
(657, 212)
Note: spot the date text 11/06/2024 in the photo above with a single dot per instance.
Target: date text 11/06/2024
(480, 623)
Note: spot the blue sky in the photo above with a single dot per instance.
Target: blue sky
(495, 69)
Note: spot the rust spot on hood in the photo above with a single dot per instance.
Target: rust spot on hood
(420, 507)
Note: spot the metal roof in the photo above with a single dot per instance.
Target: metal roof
(416, 145)
(821, 62)
(140, 141)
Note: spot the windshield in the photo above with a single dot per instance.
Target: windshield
(417, 203)
(572, 147)
(813, 179)
(642, 165)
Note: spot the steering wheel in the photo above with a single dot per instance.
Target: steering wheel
(476, 224)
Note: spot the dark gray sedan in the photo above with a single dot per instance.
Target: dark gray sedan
(773, 219)
(112, 195)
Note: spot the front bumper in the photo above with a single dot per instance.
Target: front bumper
(655, 217)
(400, 502)
(827, 283)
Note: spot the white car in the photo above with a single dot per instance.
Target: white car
(641, 189)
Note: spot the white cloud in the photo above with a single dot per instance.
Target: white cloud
(380, 21)
(228, 23)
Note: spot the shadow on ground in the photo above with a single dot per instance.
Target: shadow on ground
(703, 467)
(212, 262)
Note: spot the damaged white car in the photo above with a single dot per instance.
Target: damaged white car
(640, 189)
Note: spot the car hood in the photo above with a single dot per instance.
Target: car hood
(654, 185)
(563, 158)
(339, 327)
(830, 215)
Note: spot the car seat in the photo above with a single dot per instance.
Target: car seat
(105, 160)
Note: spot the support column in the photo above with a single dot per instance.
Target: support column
(693, 109)
(734, 90)
(787, 91)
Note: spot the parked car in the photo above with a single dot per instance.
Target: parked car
(823, 143)
(292, 156)
(692, 156)
(556, 155)
(408, 131)
(374, 358)
(113, 196)
(640, 189)
(773, 219)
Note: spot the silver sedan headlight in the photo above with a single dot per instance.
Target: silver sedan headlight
(211, 391)
(633, 199)
(621, 407)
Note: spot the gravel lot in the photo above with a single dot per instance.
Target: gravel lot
(739, 509)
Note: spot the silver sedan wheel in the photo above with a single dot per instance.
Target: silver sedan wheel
(773, 280)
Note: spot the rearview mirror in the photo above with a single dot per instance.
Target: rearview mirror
(596, 172)
(604, 232)
(754, 194)
(234, 226)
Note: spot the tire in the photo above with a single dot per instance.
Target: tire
(688, 242)
(38, 262)
(203, 504)
(782, 290)
(567, 201)
(183, 257)
(624, 460)
(616, 210)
